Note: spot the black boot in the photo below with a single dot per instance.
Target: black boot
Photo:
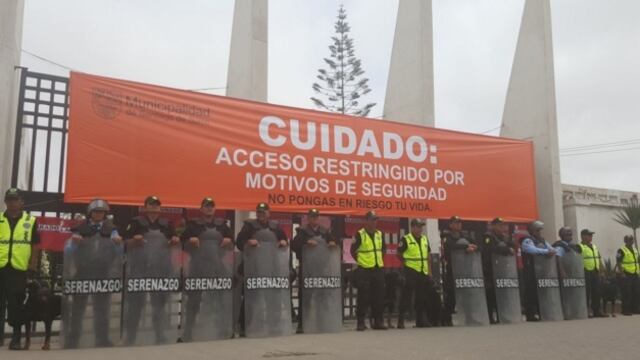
(400, 322)
(361, 325)
(15, 339)
(378, 324)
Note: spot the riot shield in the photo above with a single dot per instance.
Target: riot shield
(92, 293)
(547, 283)
(572, 286)
(507, 287)
(152, 291)
(267, 296)
(207, 312)
(471, 301)
(321, 288)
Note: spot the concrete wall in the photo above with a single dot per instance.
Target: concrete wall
(594, 209)
(11, 14)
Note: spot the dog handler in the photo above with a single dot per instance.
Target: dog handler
(18, 253)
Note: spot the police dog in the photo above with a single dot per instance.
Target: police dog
(41, 304)
(609, 294)
(393, 283)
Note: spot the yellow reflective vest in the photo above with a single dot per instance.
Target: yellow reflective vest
(15, 246)
(590, 258)
(416, 256)
(630, 261)
(370, 251)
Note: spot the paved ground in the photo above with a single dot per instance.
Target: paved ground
(583, 339)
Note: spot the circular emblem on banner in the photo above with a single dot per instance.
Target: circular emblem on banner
(106, 103)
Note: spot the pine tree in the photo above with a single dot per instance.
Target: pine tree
(343, 82)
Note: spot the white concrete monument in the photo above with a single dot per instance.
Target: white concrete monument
(530, 109)
(248, 70)
(409, 98)
(11, 14)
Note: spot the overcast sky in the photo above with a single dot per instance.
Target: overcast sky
(185, 44)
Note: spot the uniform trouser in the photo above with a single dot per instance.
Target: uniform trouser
(490, 290)
(370, 284)
(3, 310)
(420, 285)
(594, 295)
(101, 308)
(265, 315)
(193, 302)
(449, 292)
(490, 294)
(530, 294)
(630, 293)
(192, 308)
(300, 295)
(136, 302)
(12, 288)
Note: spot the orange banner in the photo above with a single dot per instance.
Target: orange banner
(128, 140)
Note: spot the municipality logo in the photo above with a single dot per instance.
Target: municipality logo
(106, 103)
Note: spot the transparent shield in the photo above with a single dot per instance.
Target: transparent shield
(549, 302)
(321, 288)
(92, 293)
(152, 292)
(507, 287)
(471, 301)
(572, 286)
(267, 293)
(207, 290)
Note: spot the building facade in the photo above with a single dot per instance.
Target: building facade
(594, 209)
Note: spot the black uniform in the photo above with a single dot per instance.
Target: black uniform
(143, 264)
(200, 265)
(247, 232)
(630, 289)
(450, 243)
(493, 243)
(415, 282)
(94, 260)
(370, 285)
(14, 282)
(303, 235)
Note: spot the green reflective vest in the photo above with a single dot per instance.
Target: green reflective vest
(590, 258)
(370, 250)
(16, 245)
(416, 256)
(630, 261)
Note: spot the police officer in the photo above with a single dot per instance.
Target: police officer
(565, 245)
(533, 245)
(449, 238)
(201, 262)
(305, 236)
(146, 258)
(628, 265)
(368, 249)
(18, 253)
(593, 271)
(94, 259)
(246, 237)
(495, 241)
(414, 250)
